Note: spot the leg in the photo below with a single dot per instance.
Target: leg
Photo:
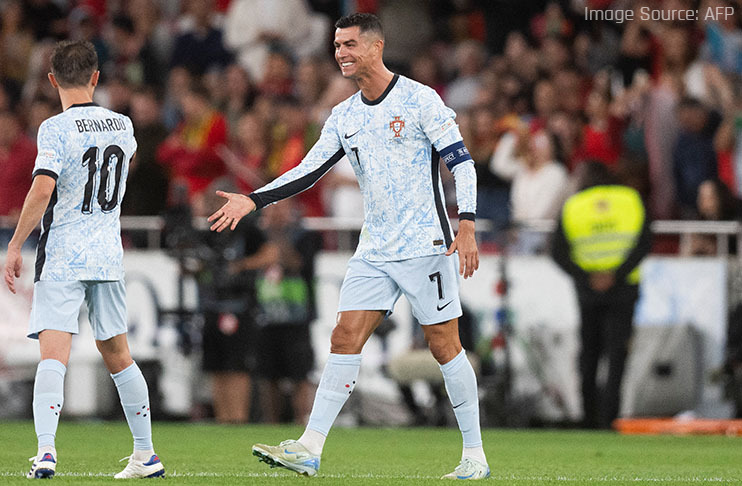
(132, 389)
(337, 383)
(341, 371)
(461, 384)
(49, 385)
(231, 395)
(589, 355)
(301, 401)
(618, 328)
(270, 400)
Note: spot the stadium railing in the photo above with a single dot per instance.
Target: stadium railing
(153, 226)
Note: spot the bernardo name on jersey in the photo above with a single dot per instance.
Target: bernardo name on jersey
(393, 144)
(87, 150)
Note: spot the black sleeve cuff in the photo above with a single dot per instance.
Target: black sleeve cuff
(45, 172)
(257, 200)
(466, 216)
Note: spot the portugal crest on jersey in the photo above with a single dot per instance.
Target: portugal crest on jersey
(396, 125)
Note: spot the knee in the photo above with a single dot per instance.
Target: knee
(443, 350)
(345, 341)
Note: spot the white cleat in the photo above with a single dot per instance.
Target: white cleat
(469, 468)
(289, 454)
(43, 467)
(151, 468)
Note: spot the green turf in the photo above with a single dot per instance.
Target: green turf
(216, 455)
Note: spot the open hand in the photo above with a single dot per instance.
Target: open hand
(236, 207)
(466, 244)
(13, 264)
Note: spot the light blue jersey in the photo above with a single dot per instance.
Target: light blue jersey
(393, 144)
(87, 149)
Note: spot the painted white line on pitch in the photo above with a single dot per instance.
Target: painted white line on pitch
(511, 478)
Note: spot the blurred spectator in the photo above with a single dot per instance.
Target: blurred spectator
(638, 44)
(538, 179)
(190, 153)
(425, 70)
(246, 162)
(694, 158)
(253, 28)
(239, 94)
(402, 44)
(311, 81)
(147, 185)
(201, 48)
(132, 56)
(17, 157)
(601, 137)
(723, 44)
(285, 292)
(115, 94)
(46, 18)
(602, 235)
(277, 77)
(715, 203)
(493, 191)
(16, 44)
(469, 57)
(39, 110)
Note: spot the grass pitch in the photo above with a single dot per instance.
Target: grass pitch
(217, 455)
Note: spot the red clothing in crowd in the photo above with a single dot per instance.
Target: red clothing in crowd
(601, 145)
(16, 166)
(191, 152)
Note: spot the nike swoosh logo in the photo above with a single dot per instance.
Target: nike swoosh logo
(352, 134)
(457, 406)
(441, 307)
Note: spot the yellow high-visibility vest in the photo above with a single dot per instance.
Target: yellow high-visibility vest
(602, 225)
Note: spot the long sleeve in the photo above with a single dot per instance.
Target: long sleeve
(465, 178)
(320, 159)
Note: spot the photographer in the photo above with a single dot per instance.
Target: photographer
(226, 283)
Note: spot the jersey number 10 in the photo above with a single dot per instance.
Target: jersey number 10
(90, 159)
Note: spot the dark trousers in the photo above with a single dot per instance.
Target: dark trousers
(605, 331)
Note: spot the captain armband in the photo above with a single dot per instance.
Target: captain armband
(455, 154)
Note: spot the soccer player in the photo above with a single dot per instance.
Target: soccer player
(78, 183)
(393, 131)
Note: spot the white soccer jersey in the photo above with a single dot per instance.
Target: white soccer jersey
(393, 144)
(87, 149)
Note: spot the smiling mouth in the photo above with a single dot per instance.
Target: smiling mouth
(346, 64)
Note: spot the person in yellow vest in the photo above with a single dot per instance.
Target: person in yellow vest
(601, 237)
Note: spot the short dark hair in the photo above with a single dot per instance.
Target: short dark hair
(73, 62)
(366, 21)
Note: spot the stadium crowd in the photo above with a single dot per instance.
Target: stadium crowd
(240, 88)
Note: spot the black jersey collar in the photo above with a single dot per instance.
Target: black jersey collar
(383, 95)
(81, 105)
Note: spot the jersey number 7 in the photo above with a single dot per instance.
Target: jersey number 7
(107, 198)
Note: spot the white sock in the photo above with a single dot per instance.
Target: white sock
(134, 398)
(474, 453)
(461, 385)
(337, 383)
(314, 441)
(48, 398)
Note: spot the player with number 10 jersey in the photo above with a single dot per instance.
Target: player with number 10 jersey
(87, 149)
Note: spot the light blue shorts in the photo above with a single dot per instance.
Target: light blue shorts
(431, 285)
(56, 306)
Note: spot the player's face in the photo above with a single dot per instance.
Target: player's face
(353, 51)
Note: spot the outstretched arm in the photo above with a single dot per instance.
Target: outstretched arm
(320, 159)
(37, 200)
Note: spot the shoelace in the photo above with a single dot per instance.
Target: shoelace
(125, 458)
